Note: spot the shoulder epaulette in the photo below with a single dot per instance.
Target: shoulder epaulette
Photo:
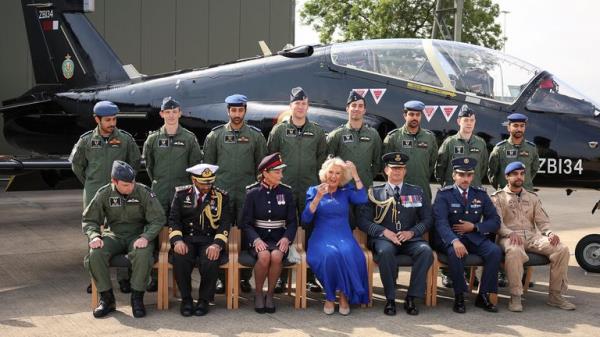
(86, 133)
(255, 128)
(392, 132)
(219, 190)
(530, 143)
(285, 185)
(480, 188)
(496, 192)
(252, 185)
(501, 142)
(217, 127)
(447, 188)
(315, 123)
(532, 192)
(125, 132)
(182, 188)
(414, 186)
(427, 131)
(103, 187)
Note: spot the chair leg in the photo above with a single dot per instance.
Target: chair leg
(94, 295)
(298, 292)
(494, 298)
(236, 288)
(472, 271)
(434, 276)
(370, 271)
(228, 288)
(302, 285)
(289, 281)
(428, 286)
(528, 277)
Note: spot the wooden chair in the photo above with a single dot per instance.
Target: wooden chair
(228, 267)
(401, 260)
(244, 260)
(534, 261)
(121, 261)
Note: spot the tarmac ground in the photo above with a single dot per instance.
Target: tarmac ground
(42, 288)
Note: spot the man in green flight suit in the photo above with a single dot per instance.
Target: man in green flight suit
(133, 218)
(462, 144)
(237, 148)
(515, 148)
(356, 141)
(303, 149)
(419, 144)
(93, 155)
(168, 152)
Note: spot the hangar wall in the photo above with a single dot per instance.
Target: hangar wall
(157, 35)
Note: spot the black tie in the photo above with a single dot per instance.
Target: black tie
(397, 193)
(465, 199)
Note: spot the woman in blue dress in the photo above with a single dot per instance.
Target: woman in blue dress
(333, 254)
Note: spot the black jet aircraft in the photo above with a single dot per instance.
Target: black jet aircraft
(75, 68)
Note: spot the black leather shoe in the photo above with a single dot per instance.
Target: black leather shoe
(219, 288)
(106, 304)
(313, 287)
(125, 286)
(201, 308)
(410, 306)
(89, 289)
(459, 304)
(137, 304)
(279, 286)
(390, 308)
(187, 307)
(447, 281)
(152, 286)
(259, 304)
(483, 301)
(245, 286)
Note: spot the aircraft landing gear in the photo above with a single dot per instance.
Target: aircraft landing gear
(587, 253)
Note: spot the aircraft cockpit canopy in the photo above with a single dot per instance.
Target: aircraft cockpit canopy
(459, 67)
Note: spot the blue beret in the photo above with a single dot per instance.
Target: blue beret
(169, 103)
(414, 106)
(515, 165)
(236, 100)
(465, 111)
(122, 171)
(105, 108)
(354, 96)
(395, 159)
(517, 117)
(464, 164)
(297, 94)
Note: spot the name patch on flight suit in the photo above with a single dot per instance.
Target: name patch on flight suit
(290, 132)
(422, 145)
(364, 139)
(115, 202)
(511, 153)
(406, 143)
(347, 138)
(163, 142)
(229, 139)
(459, 149)
(96, 143)
(243, 139)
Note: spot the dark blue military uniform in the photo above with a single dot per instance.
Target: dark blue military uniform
(408, 210)
(269, 214)
(449, 207)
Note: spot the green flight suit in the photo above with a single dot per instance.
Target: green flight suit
(92, 158)
(237, 153)
(455, 147)
(126, 218)
(303, 150)
(362, 147)
(167, 157)
(421, 149)
(505, 153)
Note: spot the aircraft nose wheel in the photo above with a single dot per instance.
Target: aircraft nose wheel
(587, 253)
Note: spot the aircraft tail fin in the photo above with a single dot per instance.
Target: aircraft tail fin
(66, 50)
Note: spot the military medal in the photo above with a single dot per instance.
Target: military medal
(280, 199)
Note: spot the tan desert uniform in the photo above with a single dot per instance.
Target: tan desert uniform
(525, 216)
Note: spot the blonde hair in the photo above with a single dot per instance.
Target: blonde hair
(337, 161)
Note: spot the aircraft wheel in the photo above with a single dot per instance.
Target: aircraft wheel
(587, 253)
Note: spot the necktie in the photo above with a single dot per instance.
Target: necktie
(397, 193)
(464, 195)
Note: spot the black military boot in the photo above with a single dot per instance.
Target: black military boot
(152, 287)
(137, 304)
(106, 305)
(125, 286)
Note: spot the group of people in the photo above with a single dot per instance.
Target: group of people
(324, 182)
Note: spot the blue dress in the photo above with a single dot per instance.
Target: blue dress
(333, 254)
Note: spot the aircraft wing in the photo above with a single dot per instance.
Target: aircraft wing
(16, 165)
(26, 107)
